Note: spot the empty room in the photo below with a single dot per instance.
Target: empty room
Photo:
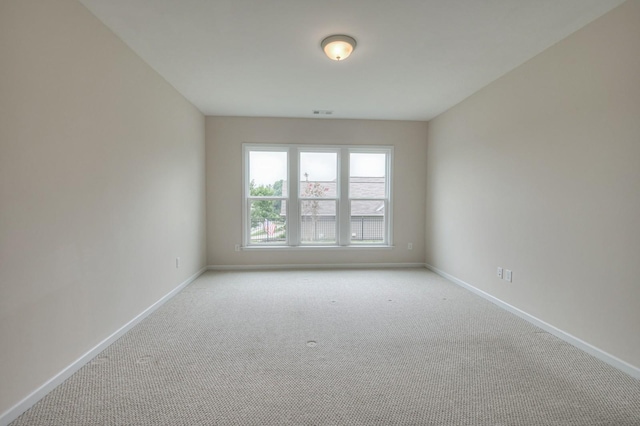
(230, 212)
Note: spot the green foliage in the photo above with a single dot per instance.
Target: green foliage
(265, 209)
(260, 190)
(277, 187)
(277, 191)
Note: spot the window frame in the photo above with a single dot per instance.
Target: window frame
(388, 193)
(300, 198)
(294, 199)
(247, 198)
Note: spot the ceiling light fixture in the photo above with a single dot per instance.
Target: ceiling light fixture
(338, 47)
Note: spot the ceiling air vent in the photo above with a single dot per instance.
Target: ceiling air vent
(322, 112)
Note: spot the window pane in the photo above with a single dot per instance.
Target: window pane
(318, 174)
(367, 221)
(268, 221)
(367, 175)
(318, 221)
(267, 173)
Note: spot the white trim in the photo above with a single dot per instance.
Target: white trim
(342, 191)
(314, 266)
(293, 205)
(294, 198)
(305, 247)
(613, 361)
(14, 412)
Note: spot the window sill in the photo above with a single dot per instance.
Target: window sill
(318, 247)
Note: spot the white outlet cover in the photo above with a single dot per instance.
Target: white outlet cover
(499, 272)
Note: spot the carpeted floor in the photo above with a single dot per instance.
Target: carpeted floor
(355, 347)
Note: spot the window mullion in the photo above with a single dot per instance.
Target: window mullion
(246, 223)
(344, 224)
(293, 225)
(388, 196)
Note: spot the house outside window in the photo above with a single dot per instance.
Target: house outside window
(341, 196)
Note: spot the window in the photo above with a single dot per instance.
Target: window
(318, 195)
(340, 196)
(368, 197)
(267, 196)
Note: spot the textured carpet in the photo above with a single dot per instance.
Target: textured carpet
(376, 347)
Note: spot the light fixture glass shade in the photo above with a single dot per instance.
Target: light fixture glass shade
(338, 47)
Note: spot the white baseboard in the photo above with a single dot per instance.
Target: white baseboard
(22, 406)
(315, 266)
(621, 365)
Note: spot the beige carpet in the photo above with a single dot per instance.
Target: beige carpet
(378, 347)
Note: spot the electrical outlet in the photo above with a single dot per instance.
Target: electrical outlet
(410, 246)
(508, 275)
(177, 262)
(499, 272)
(237, 247)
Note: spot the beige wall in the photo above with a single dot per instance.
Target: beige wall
(225, 136)
(540, 173)
(101, 188)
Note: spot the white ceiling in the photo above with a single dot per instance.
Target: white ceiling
(414, 58)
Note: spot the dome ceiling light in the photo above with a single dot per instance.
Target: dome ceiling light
(338, 47)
